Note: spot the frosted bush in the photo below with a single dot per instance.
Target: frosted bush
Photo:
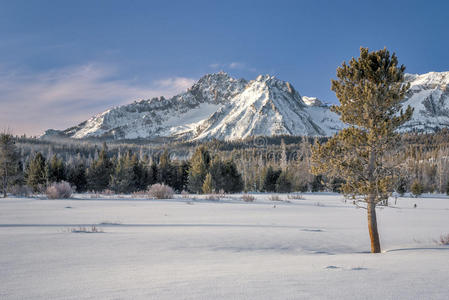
(160, 191)
(59, 190)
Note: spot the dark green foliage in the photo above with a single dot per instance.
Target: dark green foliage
(199, 165)
(416, 188)
(231, 179)
(447, 188)
(207, 187)
(336, 183)
(56, 169)
(36, 174)
(317, 183)
(99, 173)
(401, 187)
(165, 170)
(77, 177)
(152, 174)
(9, 161)
(270, 179)
(181, 176)
(225, 176)
(125, 178)
(283, 183)
(420, 152)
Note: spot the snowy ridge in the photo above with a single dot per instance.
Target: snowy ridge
(221, 107)
(429, 96)
(268, 106)
(159, 116)
(216, 107)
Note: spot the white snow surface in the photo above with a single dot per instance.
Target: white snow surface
(314, 248)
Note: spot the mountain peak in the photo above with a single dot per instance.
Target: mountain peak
(222, 107)
(312, 101)
(430, 79)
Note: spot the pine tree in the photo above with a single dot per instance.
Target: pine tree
(36, 174)
(207, 184)
(401, 185)
(77, 177)
(9, 161)
(416, 188)
(283, 183)
(199, 166)
(124, 178)
(270, 178)
(447, 188)
(56, 169)
(232, 179)
(100, 171)
(370, 90)
(152, 174)
(181, 176)
(165, 172)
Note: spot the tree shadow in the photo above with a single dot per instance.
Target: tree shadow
(444, 248)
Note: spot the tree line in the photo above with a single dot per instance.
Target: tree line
(277, 164)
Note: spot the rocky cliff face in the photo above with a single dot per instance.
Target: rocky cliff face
(219, 106)
(429, 96)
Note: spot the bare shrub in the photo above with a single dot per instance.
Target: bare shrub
(444, 239)
(274, 198)
(248, 198)
(138, 194)
(295, 197)
(59, 190)
(185, 194)
(160, 191)
(21, 190)
(92, 229)
(221, 193)
(213, 197)
(107, 192)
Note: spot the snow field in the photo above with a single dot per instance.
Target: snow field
(316, 248)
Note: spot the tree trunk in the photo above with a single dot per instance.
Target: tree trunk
(5, 187)
(372, 226)
(5, 182)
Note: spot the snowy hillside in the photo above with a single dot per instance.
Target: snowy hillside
(159, 116)
(219, 106)
(267, 107)
(429, 95)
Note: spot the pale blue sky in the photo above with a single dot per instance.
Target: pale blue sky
(62, 61)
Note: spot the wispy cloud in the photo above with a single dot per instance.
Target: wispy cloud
(177, 83)
(235, 65)
(63, 97)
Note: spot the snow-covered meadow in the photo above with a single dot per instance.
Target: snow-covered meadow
(311, 248)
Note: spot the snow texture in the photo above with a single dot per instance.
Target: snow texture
(315, 248)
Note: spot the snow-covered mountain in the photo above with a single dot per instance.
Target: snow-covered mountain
(429, 96)
(219, 106)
